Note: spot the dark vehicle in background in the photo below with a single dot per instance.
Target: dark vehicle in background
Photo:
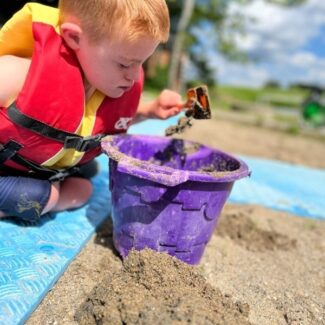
(9, 7)
(313, 107)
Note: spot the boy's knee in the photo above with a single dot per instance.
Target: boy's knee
(74, 192)
(77, 191)
(53, 198)
(23, 197)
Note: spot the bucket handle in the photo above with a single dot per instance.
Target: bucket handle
(159, 174)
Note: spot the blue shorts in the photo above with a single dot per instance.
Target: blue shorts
(22, 197)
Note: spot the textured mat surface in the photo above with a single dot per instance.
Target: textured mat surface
(33, 256)
(291, 188)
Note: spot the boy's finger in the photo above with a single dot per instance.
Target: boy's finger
(181, 105)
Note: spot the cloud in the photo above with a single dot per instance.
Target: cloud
(278, 38)
(239, 74)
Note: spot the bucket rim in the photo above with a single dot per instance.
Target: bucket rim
(172, 176)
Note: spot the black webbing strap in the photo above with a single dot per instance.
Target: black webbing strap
(70, 140)
(51, 174)
(9, 151)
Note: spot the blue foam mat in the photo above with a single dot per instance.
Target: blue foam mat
(33, 257)
(281, 186)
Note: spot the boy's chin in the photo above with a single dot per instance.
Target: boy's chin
(115, 94)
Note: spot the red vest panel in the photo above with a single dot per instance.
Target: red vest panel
(53, 93)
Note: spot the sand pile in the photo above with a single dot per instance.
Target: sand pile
(155, 288)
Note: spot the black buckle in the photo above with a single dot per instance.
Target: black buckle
(60, 175)
(82, 144)
(8, 150)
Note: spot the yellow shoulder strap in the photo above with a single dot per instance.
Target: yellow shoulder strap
(16, 37)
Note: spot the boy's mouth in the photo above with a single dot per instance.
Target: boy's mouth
(125, 88)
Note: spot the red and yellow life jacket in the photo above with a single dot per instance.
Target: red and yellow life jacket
(49, 122)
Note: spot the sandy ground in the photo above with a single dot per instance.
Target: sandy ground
(260, 267)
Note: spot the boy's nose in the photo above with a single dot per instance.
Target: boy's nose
(133, 74)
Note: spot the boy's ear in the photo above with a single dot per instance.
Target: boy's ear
(71, 33)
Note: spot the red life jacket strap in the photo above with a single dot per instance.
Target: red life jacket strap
(70, 140)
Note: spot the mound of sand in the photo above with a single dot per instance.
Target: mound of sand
(155, 288)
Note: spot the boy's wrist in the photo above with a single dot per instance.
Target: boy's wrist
(146, 110)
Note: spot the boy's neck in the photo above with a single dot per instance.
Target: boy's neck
(89, 89)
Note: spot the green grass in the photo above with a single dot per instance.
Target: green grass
(225, 96)
(238, 93)
(291, 98)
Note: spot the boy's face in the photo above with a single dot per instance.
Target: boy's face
(113, 66)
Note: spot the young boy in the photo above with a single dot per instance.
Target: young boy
(68, 77)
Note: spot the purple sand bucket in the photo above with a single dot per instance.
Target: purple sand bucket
(167, 194)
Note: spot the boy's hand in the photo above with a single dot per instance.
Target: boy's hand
(167, 104)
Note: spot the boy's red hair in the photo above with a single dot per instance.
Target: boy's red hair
(127, 19)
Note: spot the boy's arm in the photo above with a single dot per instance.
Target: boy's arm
(12, 77)
(167, 104)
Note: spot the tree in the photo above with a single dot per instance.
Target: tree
(175, 65)
(272, 84)
(186, 14)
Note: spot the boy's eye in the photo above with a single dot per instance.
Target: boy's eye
(123, 66)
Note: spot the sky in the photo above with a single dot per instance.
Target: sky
(289, 42)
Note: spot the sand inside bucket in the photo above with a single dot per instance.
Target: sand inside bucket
(155, 288)
(177, 154)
